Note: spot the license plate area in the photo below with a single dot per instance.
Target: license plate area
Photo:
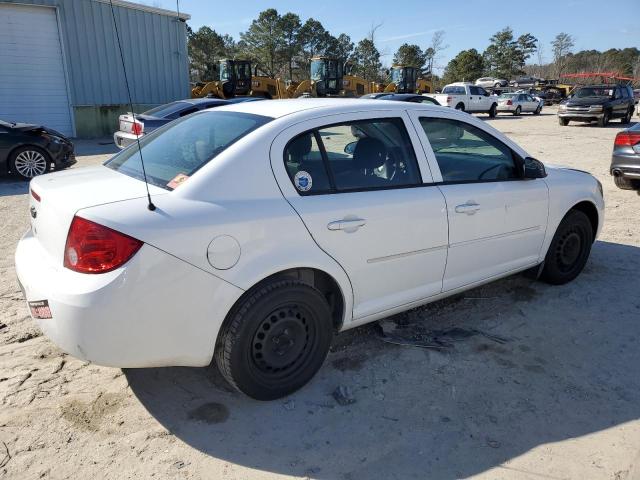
(40, 309)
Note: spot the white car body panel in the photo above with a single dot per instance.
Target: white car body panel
(166, 305)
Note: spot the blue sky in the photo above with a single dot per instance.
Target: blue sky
(598, 24)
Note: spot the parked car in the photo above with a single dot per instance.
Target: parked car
(491, 82)
(275, 224)
(28, 150)
(625, 161)
(408, 97)
(156, 117)
(517, 103)
(599, 103)
(468, 98)
(526, 81)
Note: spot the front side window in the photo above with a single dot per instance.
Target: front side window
(183, 146)
(467, 154)
(361, 155)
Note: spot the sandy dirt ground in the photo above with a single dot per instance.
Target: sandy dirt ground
(550, 390)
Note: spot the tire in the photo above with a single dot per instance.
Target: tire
(275, 339)
(627, 118)
(493, 111)
(569, 249)
(625, 183)
(604, 120)
(563, 122)
(537, 110)
(518, 111)
(28, 162)
(460, 107)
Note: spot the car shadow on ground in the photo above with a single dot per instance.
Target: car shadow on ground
(612, 124)
(563, 369)
(100, 146)
(10, 186)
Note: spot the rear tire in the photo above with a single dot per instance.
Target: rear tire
(275, 339)
(29, 162)
(460, 107)
(569, 249)
(563, 122)
(625, 183)
(518, 111)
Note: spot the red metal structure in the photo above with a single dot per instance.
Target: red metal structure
(604, 76)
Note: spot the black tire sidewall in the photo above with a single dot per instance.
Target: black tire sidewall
(493, 111)
(237, 340)
(18, 151)
(552, 272)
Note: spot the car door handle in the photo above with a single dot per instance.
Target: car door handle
(469, 208)
(350, 224)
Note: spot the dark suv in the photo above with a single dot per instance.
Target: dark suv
(599, 103)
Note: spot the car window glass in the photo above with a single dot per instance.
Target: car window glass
(305, 165)
(481, 91)
(370, 154)
(467, 154)
(188, 111)
(166, 110)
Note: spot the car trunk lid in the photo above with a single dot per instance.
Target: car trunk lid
(55, 198)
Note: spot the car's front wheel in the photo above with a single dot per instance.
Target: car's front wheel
(563, 122)
(28, 162)
(493, 111)
(603, 121)
(275, 339)
(569, 249)
(627, 118)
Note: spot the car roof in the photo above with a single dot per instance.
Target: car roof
(280, 108)
(197, 101)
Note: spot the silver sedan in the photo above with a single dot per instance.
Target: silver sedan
(491, 82)
(517, 103)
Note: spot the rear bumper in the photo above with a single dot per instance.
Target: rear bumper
(154, 311)
(626, 165)
(124, 139)
(506, 108)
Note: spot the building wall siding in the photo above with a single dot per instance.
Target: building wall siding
(154, 48)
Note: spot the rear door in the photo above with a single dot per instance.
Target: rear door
(366, 196)
(497, 220)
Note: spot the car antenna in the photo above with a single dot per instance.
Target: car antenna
(150, 206)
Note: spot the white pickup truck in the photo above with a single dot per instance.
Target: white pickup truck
(468, 98)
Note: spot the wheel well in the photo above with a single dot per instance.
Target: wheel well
(590, 210)
(318, 279)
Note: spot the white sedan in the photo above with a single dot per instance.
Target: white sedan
(517, 103)
(275, 224)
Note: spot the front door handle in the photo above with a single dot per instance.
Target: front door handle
(349, 225)
(469, 208)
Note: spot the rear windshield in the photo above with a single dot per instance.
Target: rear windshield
(178, 149)
(166, 110)
(507, 95)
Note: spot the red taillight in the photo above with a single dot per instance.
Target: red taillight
(35, 195)
(449, 99)
(137, 128)
(509, 102)
(94, 248)
(627, 139)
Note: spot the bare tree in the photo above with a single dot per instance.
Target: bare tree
(562, 46)
(432, 52)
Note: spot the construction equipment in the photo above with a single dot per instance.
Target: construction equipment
(234, 80)
(331, 77)
(405, 79)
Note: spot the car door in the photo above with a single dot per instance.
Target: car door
(530, 103)
(475, 99)
(497, 219)
(366, 196)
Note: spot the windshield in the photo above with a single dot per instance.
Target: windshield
(6, 124)
(224, 71)
(166, 110)
(594, 92)
(243, 71)
(318, 70)
(397, 75)
(181, 147)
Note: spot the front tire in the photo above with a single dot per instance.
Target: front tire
(29, 162)
(569, 249)
(275, 339)
(563, 122)
(604, 120)
(537, 111)
(493, 111)
(627, 118)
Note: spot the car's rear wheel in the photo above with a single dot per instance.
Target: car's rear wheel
(518, 111)
(569, 249)
(275, 339)
(625, 183)
(460, 107)
(603, 121)
(563, 122)
(28, 162)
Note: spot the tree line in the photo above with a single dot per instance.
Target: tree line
(282, 45)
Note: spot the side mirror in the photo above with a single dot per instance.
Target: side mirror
(533, 168)
(349, 148)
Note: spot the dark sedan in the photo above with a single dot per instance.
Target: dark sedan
(28, 150)
(148, 121)
(402, 97)
(625, 162)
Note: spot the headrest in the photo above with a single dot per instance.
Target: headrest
(369, 153)
(300, 147)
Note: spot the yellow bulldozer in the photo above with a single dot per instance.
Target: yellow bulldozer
(236, 79)
(330, 77)
(405, 79)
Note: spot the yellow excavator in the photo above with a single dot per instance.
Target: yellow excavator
(405, 79)
(237, 80)
(329, 79)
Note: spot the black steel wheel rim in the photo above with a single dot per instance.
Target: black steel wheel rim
(569, 249)
(283, 341)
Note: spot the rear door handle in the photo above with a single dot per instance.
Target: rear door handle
(348, 225)
(469, 208)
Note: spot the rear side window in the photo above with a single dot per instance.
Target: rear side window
(467, 154)
(168, 110)
(454, 90)
(184, 145)
(355, 156)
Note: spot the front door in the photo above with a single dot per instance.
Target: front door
(357, 184)
(497, 219)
